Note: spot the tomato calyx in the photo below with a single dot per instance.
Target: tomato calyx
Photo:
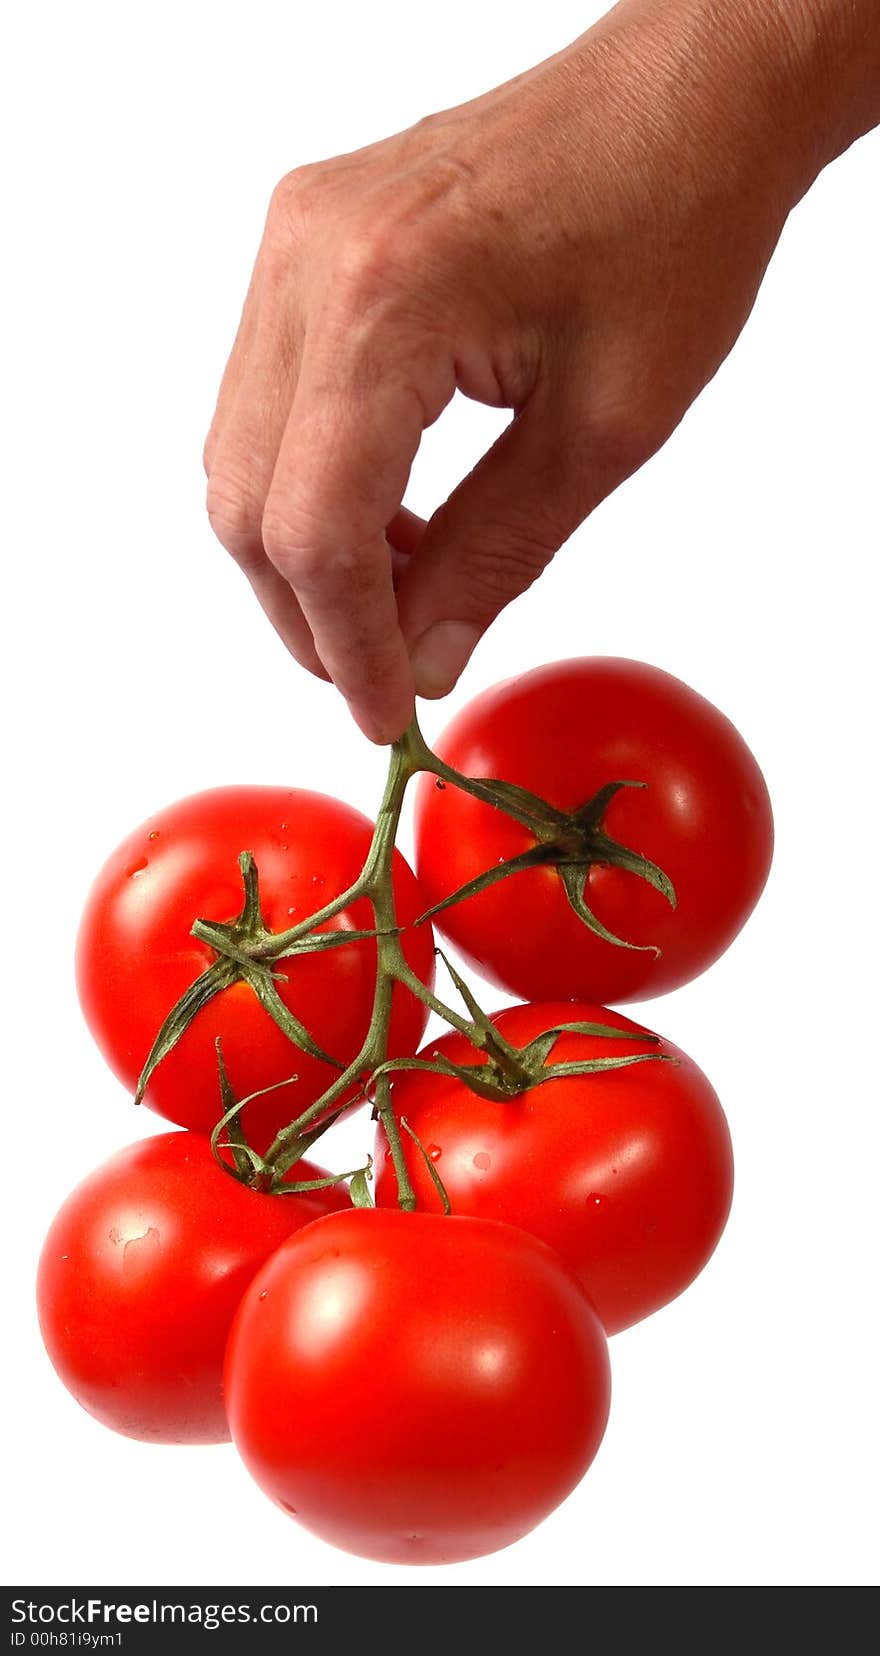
(246, 950)
(572, 842)
(509, 1071)
(252, 1169)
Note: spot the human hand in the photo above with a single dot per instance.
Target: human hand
(582, 246)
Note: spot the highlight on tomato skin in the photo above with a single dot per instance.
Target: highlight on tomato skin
(416, 1389)
(627, 1173)
(564, 731)
(141, 1274)
(136, 955)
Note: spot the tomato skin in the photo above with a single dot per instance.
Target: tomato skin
(563, 732)
(141, 1274)
(416, 1389)
(136, 957)
(627, 1173)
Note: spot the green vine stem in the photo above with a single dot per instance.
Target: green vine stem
(248, 951)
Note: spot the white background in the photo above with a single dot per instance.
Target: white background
(143, 146)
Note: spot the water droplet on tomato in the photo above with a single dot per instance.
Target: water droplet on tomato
(435, 1152)
(483, 1161)
(595, 1200)
(154, 833)
(292, 909)
(264, 1294)
(135, 868)
(139, 1251)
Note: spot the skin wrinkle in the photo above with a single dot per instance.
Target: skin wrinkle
(583, 245)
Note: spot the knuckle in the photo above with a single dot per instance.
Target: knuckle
(629, 437)
(234, 516)
(293, 552)
(292, 208)
(632, 414)
(208, 451)
(397, 247)
(363, 262)
(293, 193)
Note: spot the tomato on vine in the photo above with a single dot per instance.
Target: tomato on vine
(415, 1389)
(636, 820)
(141, 1274)
(627, 1171)
(136, 955)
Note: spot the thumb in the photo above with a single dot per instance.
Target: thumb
(496, 533)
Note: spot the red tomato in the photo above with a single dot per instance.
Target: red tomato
(141, 1274)
(563, 732)
(415, 1389)
(135, 955)
(627, 1173)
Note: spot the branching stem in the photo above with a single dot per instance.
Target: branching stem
(247, 951)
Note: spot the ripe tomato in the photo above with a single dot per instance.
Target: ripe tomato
(140, 1276)
(416, 1389)
(135, 955)
(563, 732)
(627, 1173)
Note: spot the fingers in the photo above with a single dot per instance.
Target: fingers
(403, 535)
(405, 532)
(282, 607)
(240, 458)
(241, 450)
(340, 476)
(500, 528)
(318, 420)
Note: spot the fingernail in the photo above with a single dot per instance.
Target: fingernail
(441, 654)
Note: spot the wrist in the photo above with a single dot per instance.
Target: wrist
(820, 59)
(770, 90)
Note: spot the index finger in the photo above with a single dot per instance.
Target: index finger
(339, 480)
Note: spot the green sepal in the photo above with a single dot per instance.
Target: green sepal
(527, 808)
(260, 980)
(486, 1080)
(595, 1066)
(251, 917)
(613, 855)
(300, 1187)
(320, 941)
(538, 856)
(359, 1189)
(231, 1118)
(590, 815)
(491, 1039)
(539, 1049)
(219, 976)
(439, 1186)
(574, 879)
